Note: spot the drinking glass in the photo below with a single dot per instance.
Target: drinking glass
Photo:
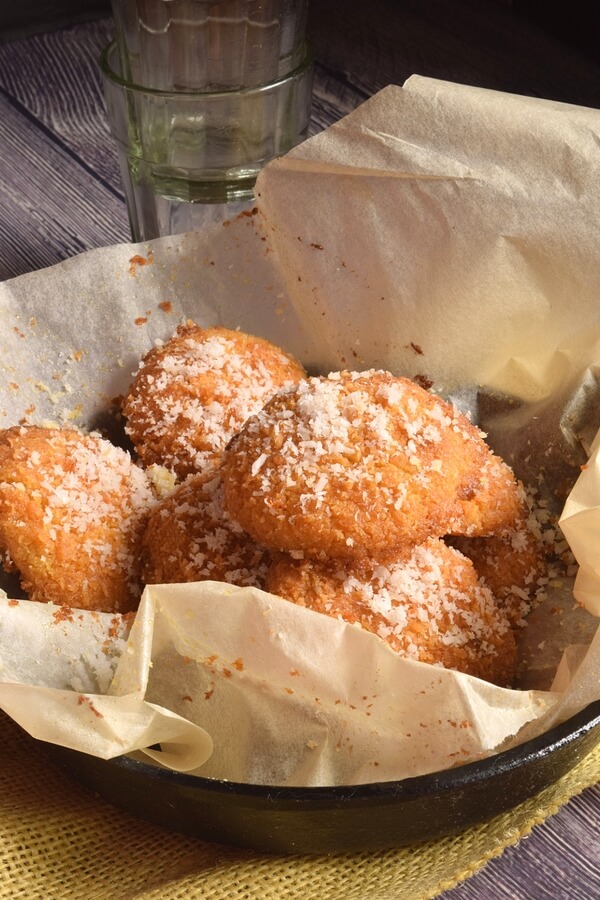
(175, 45)
(191, 157)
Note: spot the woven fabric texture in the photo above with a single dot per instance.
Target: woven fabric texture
(57, 840)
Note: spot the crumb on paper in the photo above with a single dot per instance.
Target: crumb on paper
(63, 614)
(53, 396)
(423, 381)
(68, 415)
(138, 261)
(83, 700)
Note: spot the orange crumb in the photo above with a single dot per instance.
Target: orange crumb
(83, 699)
(63, 614)
(136, 261)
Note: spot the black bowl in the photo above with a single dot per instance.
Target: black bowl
(338, 819)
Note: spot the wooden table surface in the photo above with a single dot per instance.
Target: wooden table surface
(61, 194)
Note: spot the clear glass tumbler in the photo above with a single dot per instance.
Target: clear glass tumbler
(189, 158)
(175, 45)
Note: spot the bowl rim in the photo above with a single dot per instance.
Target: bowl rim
(497, 765)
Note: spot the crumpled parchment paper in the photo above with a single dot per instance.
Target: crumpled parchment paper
(440, 231)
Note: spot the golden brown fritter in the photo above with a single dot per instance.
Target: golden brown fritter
(71, 511)
(512, 563)
(192, 393)
(354, 464)
(189, 537)
(495, 500)
(428, 606)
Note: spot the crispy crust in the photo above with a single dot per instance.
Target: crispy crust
(495, 501)
(357, 464)
(71, 510)
(192, 393)
(512, 563)
(428, 605)
(189, 537)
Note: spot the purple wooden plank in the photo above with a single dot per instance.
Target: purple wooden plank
(55, 78)
(560, 859)
(50, 207)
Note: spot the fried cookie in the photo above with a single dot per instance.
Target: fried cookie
(354, 464)
(428, 606)
(494, 500)
(72, 507)
(193, 392)
(189, 537)
(512, 563)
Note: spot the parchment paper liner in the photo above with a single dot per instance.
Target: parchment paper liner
(439, 231)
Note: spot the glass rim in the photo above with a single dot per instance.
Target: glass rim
(117, 79)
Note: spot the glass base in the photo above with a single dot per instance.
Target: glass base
(153, 214)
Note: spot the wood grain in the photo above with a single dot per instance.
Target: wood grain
(50, 208)
(55, 78)
(560, 861)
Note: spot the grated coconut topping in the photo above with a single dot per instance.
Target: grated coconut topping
(207, 388)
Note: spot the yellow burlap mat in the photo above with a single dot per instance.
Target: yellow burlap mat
(57, 840)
